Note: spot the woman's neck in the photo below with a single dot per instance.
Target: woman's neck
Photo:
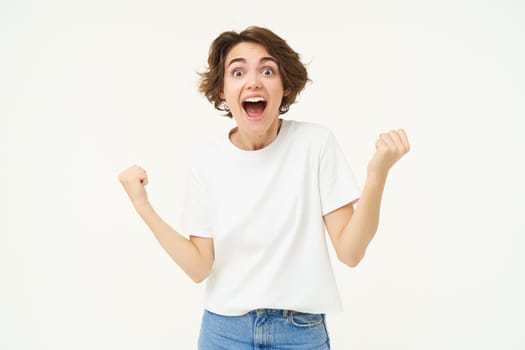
(248, 143)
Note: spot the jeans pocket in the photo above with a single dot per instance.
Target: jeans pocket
(303, 319)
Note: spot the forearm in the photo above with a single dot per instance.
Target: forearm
(363, 224)
(181, 250)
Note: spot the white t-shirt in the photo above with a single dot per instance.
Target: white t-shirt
(264, 210)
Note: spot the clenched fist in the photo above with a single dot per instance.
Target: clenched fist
(134, 179)
(390, 147)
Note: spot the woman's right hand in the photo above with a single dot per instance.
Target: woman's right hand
(134, 179)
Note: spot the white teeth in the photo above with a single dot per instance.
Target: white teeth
(255, 99)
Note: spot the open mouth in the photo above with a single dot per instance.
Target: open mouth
(254, 107)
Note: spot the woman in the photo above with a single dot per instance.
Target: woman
(259, 199)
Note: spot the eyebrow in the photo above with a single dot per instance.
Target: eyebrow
(262, 60)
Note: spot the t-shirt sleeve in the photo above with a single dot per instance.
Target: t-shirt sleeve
(337, 183)
(195, 214)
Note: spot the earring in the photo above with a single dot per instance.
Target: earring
(225, 107)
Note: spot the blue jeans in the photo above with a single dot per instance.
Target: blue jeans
(264, 329)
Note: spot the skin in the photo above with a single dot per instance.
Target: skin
(352, 230)
(251, 72)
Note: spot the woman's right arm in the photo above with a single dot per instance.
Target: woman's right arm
(195, 255)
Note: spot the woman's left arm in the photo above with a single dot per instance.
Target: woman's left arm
(352, 230)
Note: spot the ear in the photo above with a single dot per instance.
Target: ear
(286, 92)
(221, 95)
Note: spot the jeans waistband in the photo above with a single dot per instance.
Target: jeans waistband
(276, 312)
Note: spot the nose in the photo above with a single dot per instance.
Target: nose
(254, 81)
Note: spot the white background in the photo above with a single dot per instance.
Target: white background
(88, 88)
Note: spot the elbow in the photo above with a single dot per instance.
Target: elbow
(200, 276)
(353, 263)
(198, 279)
(351, 260)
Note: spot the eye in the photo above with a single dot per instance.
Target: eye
(267, 71)
(237, 72)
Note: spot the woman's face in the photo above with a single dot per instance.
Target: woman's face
(253, 88)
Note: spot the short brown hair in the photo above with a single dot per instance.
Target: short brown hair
(293, 72)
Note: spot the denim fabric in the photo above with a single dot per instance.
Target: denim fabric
(264, 329)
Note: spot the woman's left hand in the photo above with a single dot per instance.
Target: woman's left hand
(390, 147)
